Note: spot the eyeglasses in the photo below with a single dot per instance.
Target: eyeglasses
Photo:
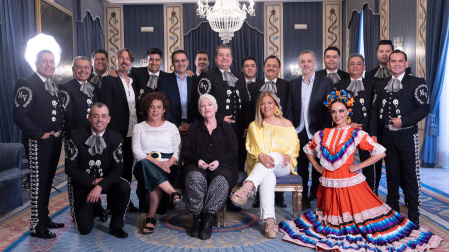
(83, 67)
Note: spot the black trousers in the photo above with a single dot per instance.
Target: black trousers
(372, 173)
(402, 166)
(85, 213)
(43, 156)
(303, 167)
(128, 161)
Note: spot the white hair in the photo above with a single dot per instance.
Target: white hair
(209, 97)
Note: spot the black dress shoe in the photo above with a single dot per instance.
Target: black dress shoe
(109, 209)
(281, 204)
(311, 197)
(132, 208)
(45, 234)
(118, 232)
(231, 206)
(207, 222)
(415, 220)
(256, 203)
(52, 224)
(196, 226)
(103, 216)
(305, 203)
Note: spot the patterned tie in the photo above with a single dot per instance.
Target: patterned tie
(96, 144)
(334, 76)
(383, 73)
(229, 78)
(152, 82)
(355, 87)
(51, 88)
(394, 85)
(87, 89)
(269, 86)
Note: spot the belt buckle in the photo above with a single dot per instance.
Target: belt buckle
(157, 153)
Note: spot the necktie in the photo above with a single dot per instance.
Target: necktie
(51, 88)
(269, 86)
(96, 144)
(229, 78)
(152, 82)
(383, 73)
(87, 89)
(95, 79)
(355, 87)
(394, 85)
(334, 76)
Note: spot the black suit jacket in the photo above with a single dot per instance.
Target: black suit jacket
(112, 93)
(83, 168)
(361, 110)
(168, 85)
(343, 75)
(283, 88)
(319, 116)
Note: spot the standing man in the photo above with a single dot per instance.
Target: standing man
(249, 69)
(400, 102)
(180, 91)
(201, 64)
(332, 62)
(363, 91)
(384, 48)
(308, 114)
(120, 95)
(229, 88)
(100, 65)
(38, 113)
(94, 163)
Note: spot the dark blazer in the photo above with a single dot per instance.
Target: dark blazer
(412, 103)
(343, 75)
(108, 165)
(319, 116)
(112, 93)
(76, 105)
(168, 85)
(283, 87)
(370, 74)
(361, 110)
(36, 111)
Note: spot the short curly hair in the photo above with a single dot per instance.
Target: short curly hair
(149, 98)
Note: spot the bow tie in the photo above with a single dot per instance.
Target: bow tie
(96, 144)
(383, 73)
(51, 88)
(87, 89)
(334, 76)
(229, 78)
(355, 87)
(152, 82)
(269, 86)
(394, 85)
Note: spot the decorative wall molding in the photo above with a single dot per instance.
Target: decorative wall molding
(332, 25)
(347, 50)
(421, 23)
(384, 7)
(274, 32)
(113, 32)
(173, 32)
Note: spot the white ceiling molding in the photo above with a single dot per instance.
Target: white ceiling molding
(129, 2)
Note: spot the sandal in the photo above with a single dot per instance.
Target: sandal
(150, 229)
(175, 198)
(238, 198)
(270, 228)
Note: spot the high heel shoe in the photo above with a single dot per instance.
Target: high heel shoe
(175, 198)
(238, 197)
(150, 229)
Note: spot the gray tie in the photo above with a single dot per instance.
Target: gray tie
(269, 86)
(87, 89)
(96, 144)
(355, 87)
(334, 76)
(394, 85)
(229, 78)
(51, 88)
(383, 73)
(152, 82)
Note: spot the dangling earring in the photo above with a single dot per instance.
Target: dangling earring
(348, 120)
(332, 123)
(277, 112)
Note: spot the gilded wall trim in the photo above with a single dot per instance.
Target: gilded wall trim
(332, 25)
(421, 23)
(173, 34)
(113, 32)
(274, 32)
(384, 7)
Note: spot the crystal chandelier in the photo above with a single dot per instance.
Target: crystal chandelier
(226, 17)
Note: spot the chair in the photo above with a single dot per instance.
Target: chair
(11, 176)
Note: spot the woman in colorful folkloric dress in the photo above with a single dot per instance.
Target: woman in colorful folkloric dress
(349, 216)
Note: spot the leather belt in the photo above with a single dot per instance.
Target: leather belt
(158, 155)
(392, 128)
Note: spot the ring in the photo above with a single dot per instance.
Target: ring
(267, 165)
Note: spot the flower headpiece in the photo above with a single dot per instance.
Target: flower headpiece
(342, 95)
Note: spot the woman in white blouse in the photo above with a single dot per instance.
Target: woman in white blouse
(156, 145)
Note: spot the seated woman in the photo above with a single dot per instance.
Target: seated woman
(349, 216)
(273, 147)
(210, 151)
(155, 146)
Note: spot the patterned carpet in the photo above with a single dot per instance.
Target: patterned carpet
(243, 233)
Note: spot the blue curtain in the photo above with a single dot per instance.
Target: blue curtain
(354, 32)
(89, 35)
(246, 42)
(371, 26)
(437, 37)
(17, 26)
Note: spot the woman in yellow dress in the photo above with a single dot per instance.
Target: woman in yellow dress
(273, 146)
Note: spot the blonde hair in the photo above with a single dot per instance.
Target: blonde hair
(259, 116)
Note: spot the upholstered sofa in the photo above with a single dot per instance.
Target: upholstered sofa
(10, 176)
